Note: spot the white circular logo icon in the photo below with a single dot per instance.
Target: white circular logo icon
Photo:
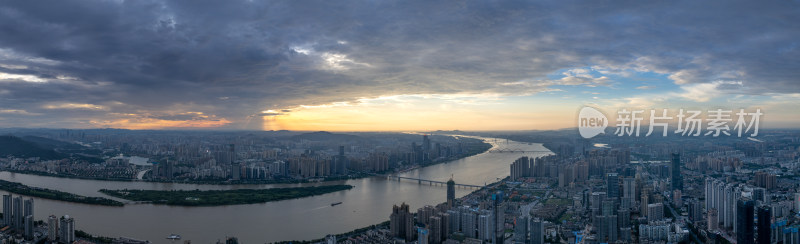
(591, 122)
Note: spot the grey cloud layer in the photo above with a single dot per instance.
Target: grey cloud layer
(234, 59)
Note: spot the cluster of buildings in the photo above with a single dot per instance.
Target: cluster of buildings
(18, 219)
(450, 222)
(624, 192)
(271, 157)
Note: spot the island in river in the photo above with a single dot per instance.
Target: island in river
(222, 197)
(21, 189)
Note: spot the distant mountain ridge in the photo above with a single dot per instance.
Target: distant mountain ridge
(326, 136)
(48, 143)
(15, 146)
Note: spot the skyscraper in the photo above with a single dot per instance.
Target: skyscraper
(607, 231)
(7, 210)
(423, 234)
(28, 209)
(645, 201)
(629, 190)
(695, 211)
(485, 227)
(499, 221)
(469, 223)
(655, 211)
(435, 227)
(451, 192)
(744, 221)
(713, 220)
(764, 224)
(401, 222)
(521, 230)
(612, 185)
(66, 233)
(28, 230)
(537, 231)
(236, 171)
(520, 168)
(52, 228)
(677, 179)
(18, 213)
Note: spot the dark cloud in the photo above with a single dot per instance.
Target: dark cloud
(234, 59)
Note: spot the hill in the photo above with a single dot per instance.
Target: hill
(325, 136)
(48, 143)
(15, 146)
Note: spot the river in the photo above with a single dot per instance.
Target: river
(370, 202)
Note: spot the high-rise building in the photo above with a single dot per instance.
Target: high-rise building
(677, 198)
(744, 221)
(19, 216)
(451, 192)
(655, 211)
(713, 220)
(728, 211)
(66, 230)
(425, 213)
(764, 225)
(28, 230)
(423, 235)
(236, 171)
(401, 222)
(645, 201)
(7, 210)
(607, 231)
(612, 185)
(446, 225)
(623, 218)
(677, 179)
(435, 228)
(709, 193)
(521, 230)
(426, 143)
(499, 218)
(761, 196)
(454, 221)
(28, 209)
(764, 179)
(520, 168)
(485, 226)
(625, 234)
(537, 231)
(52, 228)
(469, 222)
(629, 190)
(695, 211)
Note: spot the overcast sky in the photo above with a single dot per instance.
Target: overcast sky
(386, 65)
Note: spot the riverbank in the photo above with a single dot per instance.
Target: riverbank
(342, 236)
(222, 197)
(353, 176)
(18, 188)
(368, 203)
(383, 225)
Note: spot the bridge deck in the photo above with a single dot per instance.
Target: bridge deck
(430, 181)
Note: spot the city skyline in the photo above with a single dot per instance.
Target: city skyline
(420, 122)
(388, 66)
